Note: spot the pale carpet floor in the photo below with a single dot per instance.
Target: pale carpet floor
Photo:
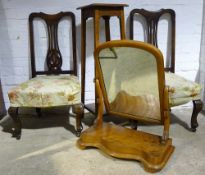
(48, 147)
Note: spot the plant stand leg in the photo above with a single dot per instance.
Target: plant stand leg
(78, 111)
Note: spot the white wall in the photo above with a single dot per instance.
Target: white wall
(14, 46)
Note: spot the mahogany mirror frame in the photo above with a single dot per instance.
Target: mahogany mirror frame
(153, 151)
(160, 72)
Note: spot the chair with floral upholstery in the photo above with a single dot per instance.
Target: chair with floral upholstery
(52, 86)
(130, 83)
(181, 90)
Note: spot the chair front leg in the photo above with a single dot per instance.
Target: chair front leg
(13, 112)
(78, 111)
(197, 104)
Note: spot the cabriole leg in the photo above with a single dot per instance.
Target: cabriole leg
(13, 112)
(197, 104)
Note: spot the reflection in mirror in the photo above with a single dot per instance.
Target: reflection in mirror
(131, 81)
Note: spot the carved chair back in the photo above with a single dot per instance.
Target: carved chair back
(152, 20)
(53, 57)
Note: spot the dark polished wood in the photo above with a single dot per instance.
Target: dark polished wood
(102, 5)
(151, 150)
(134, 124)
(53, 59)
(98, 11)
(38, 111)
(13, 112)
(54, 56)
(152, 19)
(197, 107)
(2, 105)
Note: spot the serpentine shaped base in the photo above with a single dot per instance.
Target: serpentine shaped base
(126, 143)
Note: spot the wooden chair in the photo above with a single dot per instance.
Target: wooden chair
(181, 90)
(130, 83)
(2, 105)
(52, 86)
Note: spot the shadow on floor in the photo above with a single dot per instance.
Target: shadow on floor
(89, 120)
(176, 120)
(50, 118)
(61, 117)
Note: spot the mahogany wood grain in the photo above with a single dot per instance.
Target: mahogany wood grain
(152, 20)
(97, 11)
(198, 105)
(54, 56)
(125, 143)
(151, 150)
(53, 59)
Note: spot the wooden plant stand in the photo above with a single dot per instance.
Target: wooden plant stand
(98, 11)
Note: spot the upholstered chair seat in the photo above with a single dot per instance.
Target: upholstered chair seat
(46, 91)
(181, 90)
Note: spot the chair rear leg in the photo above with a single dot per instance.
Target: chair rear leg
(13, 112)
(197, 104)
(134, 124)
(78, 111)
(38, 111)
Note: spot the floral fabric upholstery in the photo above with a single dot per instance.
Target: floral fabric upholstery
(181, 90)
(46, 91)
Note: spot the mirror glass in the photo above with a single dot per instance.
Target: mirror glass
(131, 81)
